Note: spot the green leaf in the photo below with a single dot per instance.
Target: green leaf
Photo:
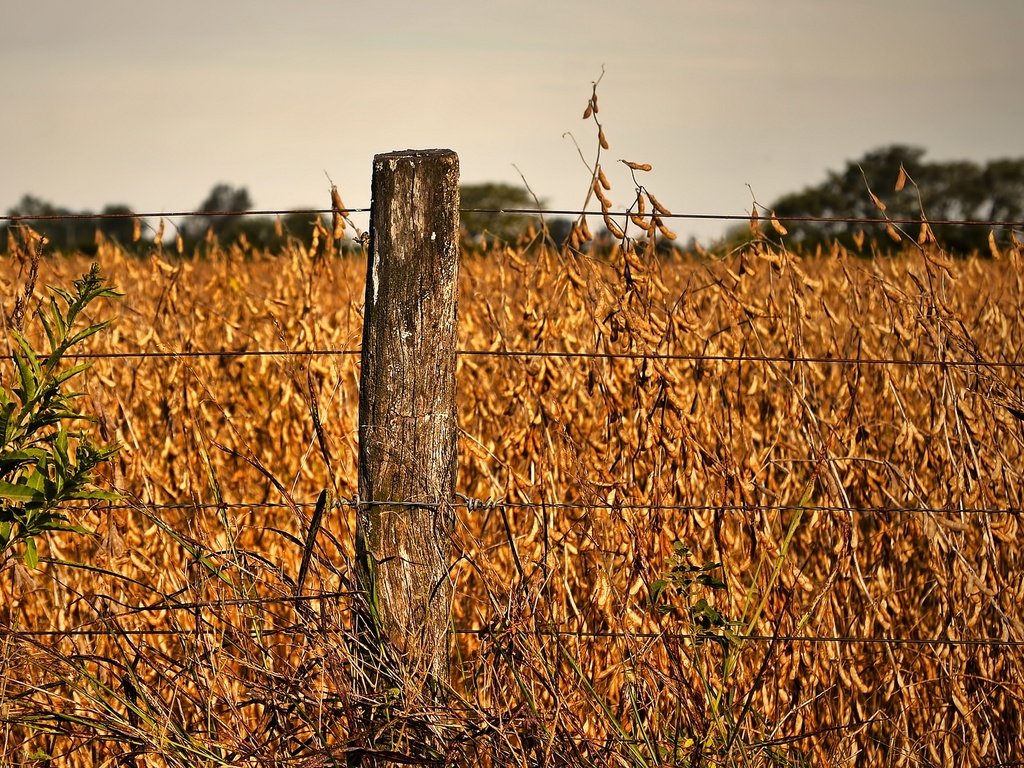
(68, 298)
(13, 460)
(29, 372)
(51, 336)
(37, 479)
(6, 425)
(31, 554)
(713, 582)
(92, 494)
(39, 522)
(60, 448)
(20, 492)
(63, 376)
(706, 615)
(657, 587)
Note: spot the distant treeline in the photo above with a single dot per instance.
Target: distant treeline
(896, 178)
(906, 185)
(118, 223)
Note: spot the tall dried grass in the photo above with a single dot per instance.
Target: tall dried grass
(788, 418)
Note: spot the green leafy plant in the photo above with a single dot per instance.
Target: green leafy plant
(46, 458)
(682, 594)
(678, 581)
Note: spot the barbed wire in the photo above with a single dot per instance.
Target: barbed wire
(704, 637)
(541, 631)
(156, 632)
(486, 505)
(872, 220)
(723, 358)
(571, 355)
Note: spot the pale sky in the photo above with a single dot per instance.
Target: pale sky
(152, 103)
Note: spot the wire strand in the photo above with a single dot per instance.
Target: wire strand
(176, 214)
(1000, 223)
(698, 637)
(476, 505)
(567, 355)
(711, 637)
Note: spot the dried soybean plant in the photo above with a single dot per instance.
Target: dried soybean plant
(645, 212)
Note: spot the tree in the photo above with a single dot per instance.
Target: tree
(264, 232)
(559, 227)
(1004, 182)
(956, 190)
(122, 228)
(223, 213)
(481, 205)
(222, 198)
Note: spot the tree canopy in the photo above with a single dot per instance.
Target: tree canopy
(221, 213)
(951, 190)
(223, 198)
(70, 234)
(480, 203)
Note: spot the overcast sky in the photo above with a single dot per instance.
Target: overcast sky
(152, 103)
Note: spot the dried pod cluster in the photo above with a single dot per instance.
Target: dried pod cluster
(650, 221)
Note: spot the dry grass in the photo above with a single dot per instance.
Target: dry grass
(803, 476)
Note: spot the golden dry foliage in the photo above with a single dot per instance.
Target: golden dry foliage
(836, 432)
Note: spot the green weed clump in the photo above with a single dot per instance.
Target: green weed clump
(46, 458)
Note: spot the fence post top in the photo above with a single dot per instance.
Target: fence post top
(415, 154)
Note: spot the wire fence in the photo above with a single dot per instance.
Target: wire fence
(104, 626)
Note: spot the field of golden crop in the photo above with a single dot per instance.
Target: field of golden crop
(836, 432)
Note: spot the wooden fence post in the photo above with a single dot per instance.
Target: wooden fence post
(407, 419)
